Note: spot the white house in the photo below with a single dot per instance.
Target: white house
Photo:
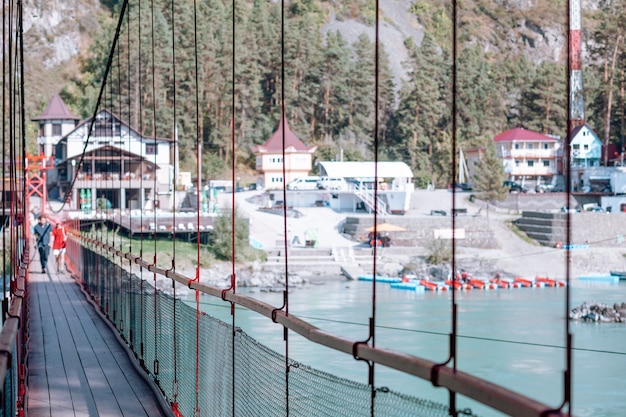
(114, 161)
(585, 147)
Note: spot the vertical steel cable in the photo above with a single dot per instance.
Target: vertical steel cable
(118, 277)
(434, 376)
(567, 373)
(4, 138)
(142, 329)
(233, 277)
(123, 170)
(173, 268)
(142, 152)
(372, 319)
(154, 259)
(11, 118)
(372, 325)
(20, 157)
(198, 240)
(283, 124)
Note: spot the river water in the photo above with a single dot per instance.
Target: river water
(512, 337)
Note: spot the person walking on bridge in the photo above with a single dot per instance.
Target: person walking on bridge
(42, 242)
(58, 246)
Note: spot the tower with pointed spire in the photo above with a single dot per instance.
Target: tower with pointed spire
(55, 122)
(298, 158)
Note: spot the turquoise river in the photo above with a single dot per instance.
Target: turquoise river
(512, 337)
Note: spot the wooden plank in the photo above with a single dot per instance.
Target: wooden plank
(76, 364)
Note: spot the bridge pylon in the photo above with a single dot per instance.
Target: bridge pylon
(36, 168)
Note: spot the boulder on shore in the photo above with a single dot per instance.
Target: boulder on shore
(598, 312)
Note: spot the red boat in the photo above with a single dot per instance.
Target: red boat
(458, 285)
(477, 283)
(522, 282)
(501, 282)
(547, 281)
(429, 285)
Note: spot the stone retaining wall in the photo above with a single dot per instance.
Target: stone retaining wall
(600, 229)
(419, 232)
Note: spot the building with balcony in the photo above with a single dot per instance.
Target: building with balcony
(529, 158)
(115, 164)
(298, 158)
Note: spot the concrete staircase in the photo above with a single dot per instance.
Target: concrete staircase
(546, 228)
(348, 261)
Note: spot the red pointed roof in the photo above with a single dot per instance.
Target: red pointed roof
(275, 143)
(56, 110)
(521, 134)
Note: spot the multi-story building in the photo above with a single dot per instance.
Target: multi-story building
(115, 164)
(530, 158)
(269, 158)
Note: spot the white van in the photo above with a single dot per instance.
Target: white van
(303, 183)
(330, 183)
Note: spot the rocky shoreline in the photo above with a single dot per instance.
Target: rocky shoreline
(598, 312)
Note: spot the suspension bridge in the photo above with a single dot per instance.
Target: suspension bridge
(102, 339)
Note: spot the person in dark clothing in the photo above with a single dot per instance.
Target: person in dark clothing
(42, 241)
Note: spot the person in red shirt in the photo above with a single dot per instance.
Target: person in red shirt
(58, 246)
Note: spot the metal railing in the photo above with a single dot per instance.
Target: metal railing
(456, 381)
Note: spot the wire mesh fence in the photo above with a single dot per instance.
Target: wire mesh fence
(209, 368)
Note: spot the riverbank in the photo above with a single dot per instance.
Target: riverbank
(513, 255)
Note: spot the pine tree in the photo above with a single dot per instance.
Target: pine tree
(417, 121)
(489, 175)
(544, 101)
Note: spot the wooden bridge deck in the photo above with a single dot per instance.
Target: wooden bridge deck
(76, 365)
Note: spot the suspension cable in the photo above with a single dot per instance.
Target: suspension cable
(97, 107)
(4, 140)
(371, 339)
(434, 377)
(283, 124)
(567, 373)
(155, 199)
(140, 194)
(154, 259)
(123, 201)
(233, 276)
(198, 234)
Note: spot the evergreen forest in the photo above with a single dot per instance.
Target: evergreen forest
(168, 79)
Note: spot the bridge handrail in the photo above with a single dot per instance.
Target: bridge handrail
(481, 390)
(10, 343)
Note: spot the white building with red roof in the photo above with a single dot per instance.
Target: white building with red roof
(298, 158)
(107, 157)
(529, 157)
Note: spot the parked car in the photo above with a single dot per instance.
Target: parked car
(515, 187)
(551, 188)
(330, 183)
(462, 186)
(303, 183)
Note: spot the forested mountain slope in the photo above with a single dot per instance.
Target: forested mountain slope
(511, 72)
